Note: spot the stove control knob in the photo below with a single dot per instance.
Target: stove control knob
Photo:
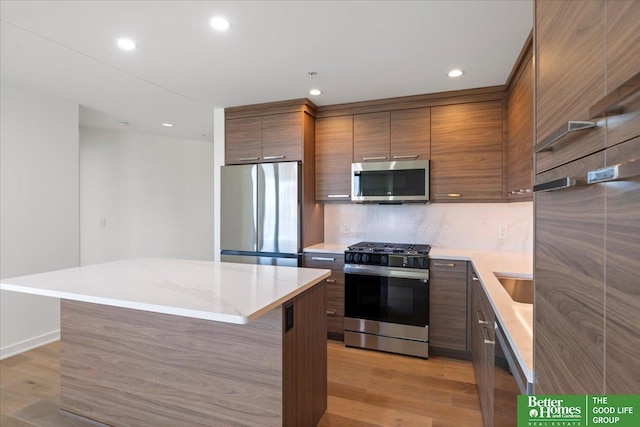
(411, 262)
(365, 258)
(423, 262)
(348, 257)
(356, 258)
(383, 260)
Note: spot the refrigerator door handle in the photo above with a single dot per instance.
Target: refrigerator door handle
(619, 172)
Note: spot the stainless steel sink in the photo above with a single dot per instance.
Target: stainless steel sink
(519, 289)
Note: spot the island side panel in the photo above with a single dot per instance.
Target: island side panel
(305, 360)
(134, 368)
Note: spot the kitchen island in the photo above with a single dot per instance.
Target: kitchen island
(165, 342)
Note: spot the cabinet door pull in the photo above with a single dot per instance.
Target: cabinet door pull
(322, 258)
(331, 280)
(571, 126)
(485, 336)
(480, 317)
(557, 184)
(444, 264)
(619, 172)
(273, 157)
(366, 159)
(608, 106)
(331, 312)
(413, 156)
(448, 195)
(248, 159)
(475, 278)
(338, 196)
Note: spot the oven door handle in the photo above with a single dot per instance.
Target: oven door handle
(421, 274)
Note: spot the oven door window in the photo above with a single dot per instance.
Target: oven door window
(387, 299)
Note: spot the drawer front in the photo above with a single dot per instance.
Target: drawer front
(322, 260)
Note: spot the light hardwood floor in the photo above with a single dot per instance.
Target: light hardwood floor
(366, 389)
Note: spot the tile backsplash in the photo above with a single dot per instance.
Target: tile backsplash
(450, 225)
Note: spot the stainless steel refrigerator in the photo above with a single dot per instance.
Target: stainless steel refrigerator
(260, 214)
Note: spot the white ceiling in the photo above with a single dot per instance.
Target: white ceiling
(182, 69)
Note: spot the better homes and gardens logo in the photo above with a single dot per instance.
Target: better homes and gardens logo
(578, 411)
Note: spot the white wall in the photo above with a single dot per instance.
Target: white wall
(155, 193)
(39, 208)
(451, 225)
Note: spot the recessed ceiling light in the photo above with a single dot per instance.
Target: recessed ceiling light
(455, 73)
(315, 92)
(167, 125)
(126, 44)
(219, 23)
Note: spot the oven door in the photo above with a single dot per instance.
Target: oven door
(388, 299)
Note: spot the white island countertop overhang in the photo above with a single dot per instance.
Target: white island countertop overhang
(217, 291)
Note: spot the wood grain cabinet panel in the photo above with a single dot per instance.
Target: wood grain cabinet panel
(623, 62)
(569, 286)
(622, 278)
(334, 154)
(448, 305)
(334, 290)
(466, 152)
(570, 75)
(371, 137)
(282, 137)
(483, 353)
(243, 140)
(410, 134)
(520, 136)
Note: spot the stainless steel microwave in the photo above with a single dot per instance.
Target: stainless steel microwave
(390, 182)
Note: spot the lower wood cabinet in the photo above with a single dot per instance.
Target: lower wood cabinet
(483, 347)
(448, 306)
(334, 290)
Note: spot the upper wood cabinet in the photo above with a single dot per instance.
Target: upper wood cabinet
(272, 132)
(392, 135)
(334, 153)
(570, 77)
(623, 63)
(243, 140)
(272, 138)
(467, 152)
(520, 136)
(411, 134)
(371, 137)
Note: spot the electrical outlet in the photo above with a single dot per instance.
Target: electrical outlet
(346, 229)
(503, 231)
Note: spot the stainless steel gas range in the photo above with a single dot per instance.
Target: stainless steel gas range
(387, 297)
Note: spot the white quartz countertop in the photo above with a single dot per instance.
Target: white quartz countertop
(329, 248)
(515, 318)
(218, 291)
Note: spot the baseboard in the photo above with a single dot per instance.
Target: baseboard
(31, 343)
